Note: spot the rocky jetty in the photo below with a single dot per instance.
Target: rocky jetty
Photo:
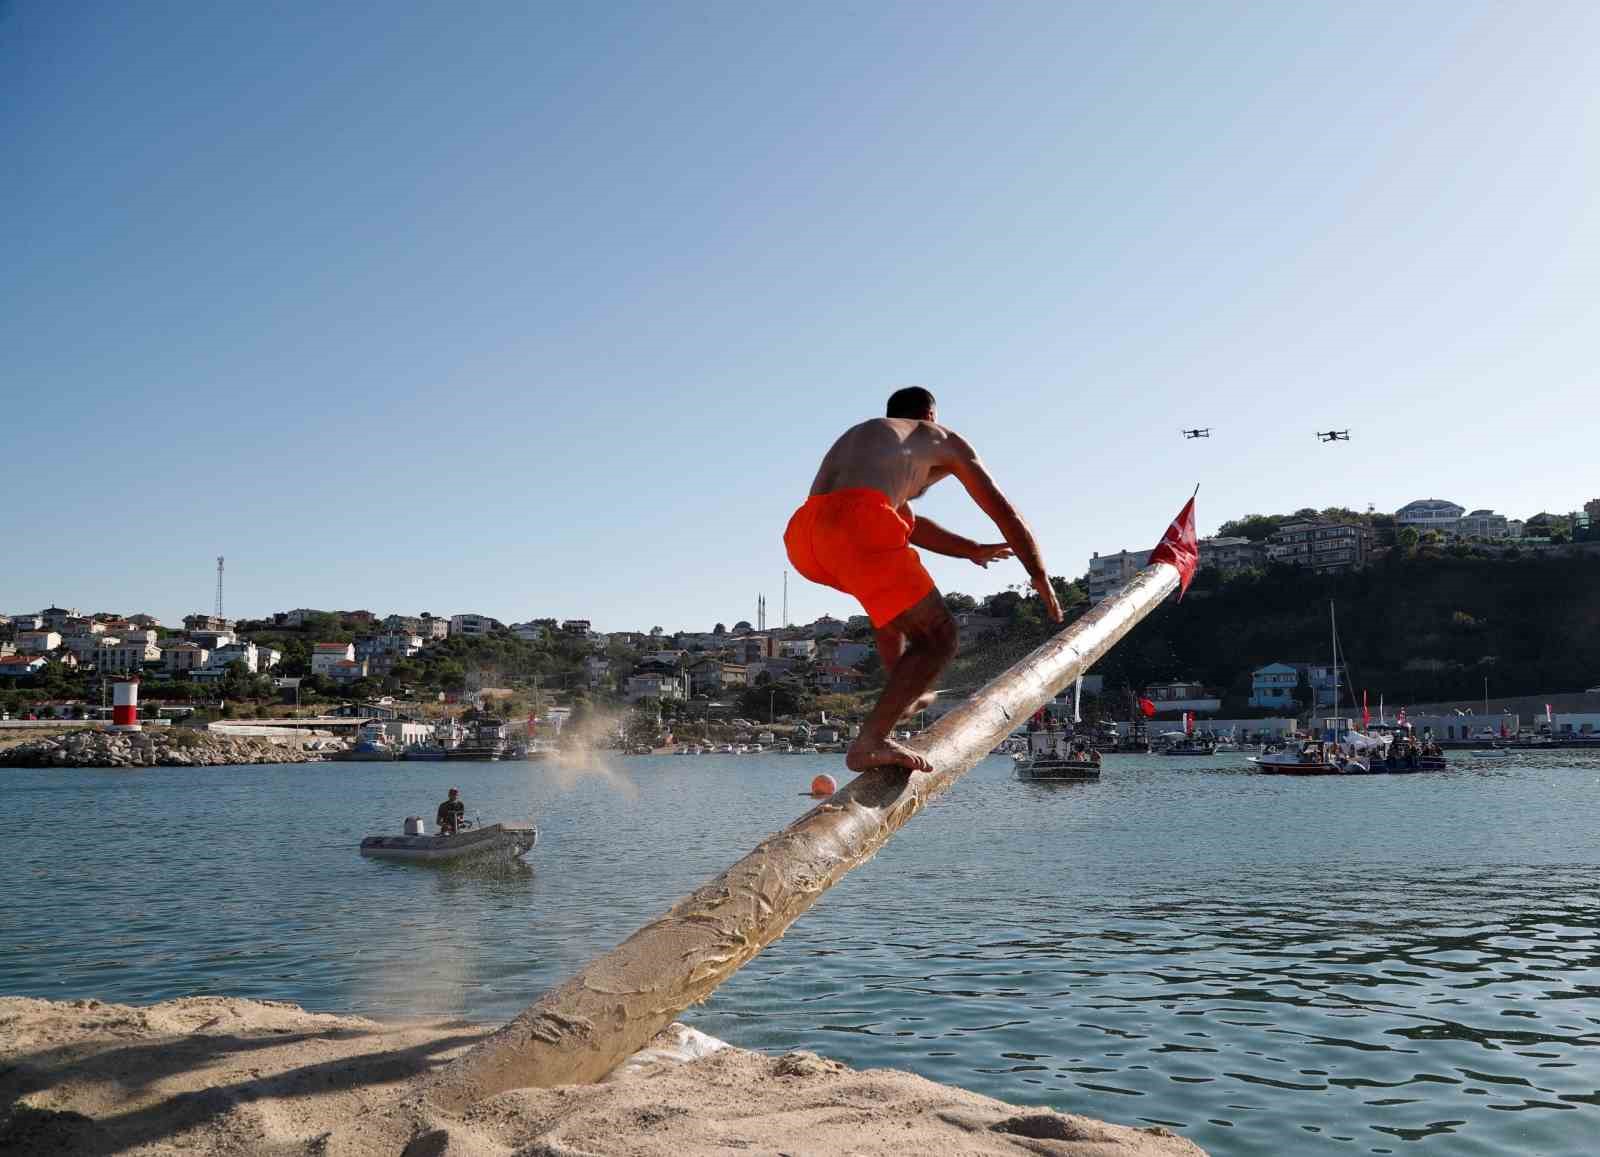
(167, 747)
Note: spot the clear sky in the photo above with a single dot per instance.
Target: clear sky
(551, 309)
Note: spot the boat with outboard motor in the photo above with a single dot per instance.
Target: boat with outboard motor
(470, 842)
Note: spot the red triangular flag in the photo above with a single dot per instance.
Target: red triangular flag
(1179, 547)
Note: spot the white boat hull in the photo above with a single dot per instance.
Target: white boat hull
(493, 839)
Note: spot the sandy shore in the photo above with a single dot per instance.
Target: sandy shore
(215, 1075)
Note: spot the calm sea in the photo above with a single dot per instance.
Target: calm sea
(1267, 965)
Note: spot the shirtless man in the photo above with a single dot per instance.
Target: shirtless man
(855, 534)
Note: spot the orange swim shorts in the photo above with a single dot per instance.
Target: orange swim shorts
(856, 542)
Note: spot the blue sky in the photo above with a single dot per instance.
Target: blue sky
(552, 309)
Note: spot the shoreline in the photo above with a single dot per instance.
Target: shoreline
(224, 1075)
(90, 747)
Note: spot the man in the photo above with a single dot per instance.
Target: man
(855, 534)
(451, 813)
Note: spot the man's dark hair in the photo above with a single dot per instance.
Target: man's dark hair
(911, 402)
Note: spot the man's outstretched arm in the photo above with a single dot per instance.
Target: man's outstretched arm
(929, 535)
(966, 466)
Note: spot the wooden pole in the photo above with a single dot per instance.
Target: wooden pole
(582, 1030)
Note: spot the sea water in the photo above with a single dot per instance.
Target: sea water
(1267, 965)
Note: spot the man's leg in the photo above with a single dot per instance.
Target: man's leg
(930, 640)
(891, 645)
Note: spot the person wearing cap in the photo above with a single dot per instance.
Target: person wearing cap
(451, 813)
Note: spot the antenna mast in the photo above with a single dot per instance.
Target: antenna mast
(219, 586)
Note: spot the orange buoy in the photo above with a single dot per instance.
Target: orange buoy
(824, 785)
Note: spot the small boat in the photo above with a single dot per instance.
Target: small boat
(372, 746)
(485, 740)
(1190, 747)
(1491, 753)
(1056, 756)
(491, 839)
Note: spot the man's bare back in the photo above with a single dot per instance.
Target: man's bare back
(899, 456)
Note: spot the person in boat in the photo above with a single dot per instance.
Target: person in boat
(855, 533)
(451, 812)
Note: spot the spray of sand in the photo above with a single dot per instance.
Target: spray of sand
(584, 753)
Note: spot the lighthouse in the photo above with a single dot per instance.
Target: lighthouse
(125, 705)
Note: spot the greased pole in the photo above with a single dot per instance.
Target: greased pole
(582, 1030)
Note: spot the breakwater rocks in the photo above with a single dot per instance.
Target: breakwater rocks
(168, 747)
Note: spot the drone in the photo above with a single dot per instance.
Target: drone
(1333, 435)
(1206, 433)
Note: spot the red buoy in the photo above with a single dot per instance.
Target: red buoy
(824, 785)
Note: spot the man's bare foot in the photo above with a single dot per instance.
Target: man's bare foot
(884, 753)
(921, 703)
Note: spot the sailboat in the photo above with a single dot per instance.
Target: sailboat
(1327, 755)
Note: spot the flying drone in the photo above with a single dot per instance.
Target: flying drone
(1333, 435)
(1205, 433)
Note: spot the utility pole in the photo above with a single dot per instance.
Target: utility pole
(786, 598)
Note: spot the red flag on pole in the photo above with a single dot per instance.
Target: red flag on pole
(1179, 547)
(1188, 722)
(1366, 716)
(1147, 709)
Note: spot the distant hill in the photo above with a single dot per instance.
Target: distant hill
(1412, 628)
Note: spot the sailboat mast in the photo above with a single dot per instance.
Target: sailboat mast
(1333, 629)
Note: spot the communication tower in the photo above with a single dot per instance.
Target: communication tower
(219, 587)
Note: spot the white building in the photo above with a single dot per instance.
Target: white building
(245, 653)
(528, 632)
(126, 657)
(86, 648)
(471, 626)
(1486, 524)
(656, 685)
(211, 639)
(1182, 695)
(797, 649)
(183, 655)
(1232, 554)
(37, 642)
(56, 617)
(326, 656)
(1325, 547)
(1109, 573)
(1430, 514)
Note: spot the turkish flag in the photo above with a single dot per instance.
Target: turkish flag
(1147, 708)
(1179, 547)
(1366, 716)
(1188, 722)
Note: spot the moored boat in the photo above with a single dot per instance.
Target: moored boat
(372, 745)
(485, 739)
(1057, 756)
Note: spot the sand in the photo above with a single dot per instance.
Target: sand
(217, 1075)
